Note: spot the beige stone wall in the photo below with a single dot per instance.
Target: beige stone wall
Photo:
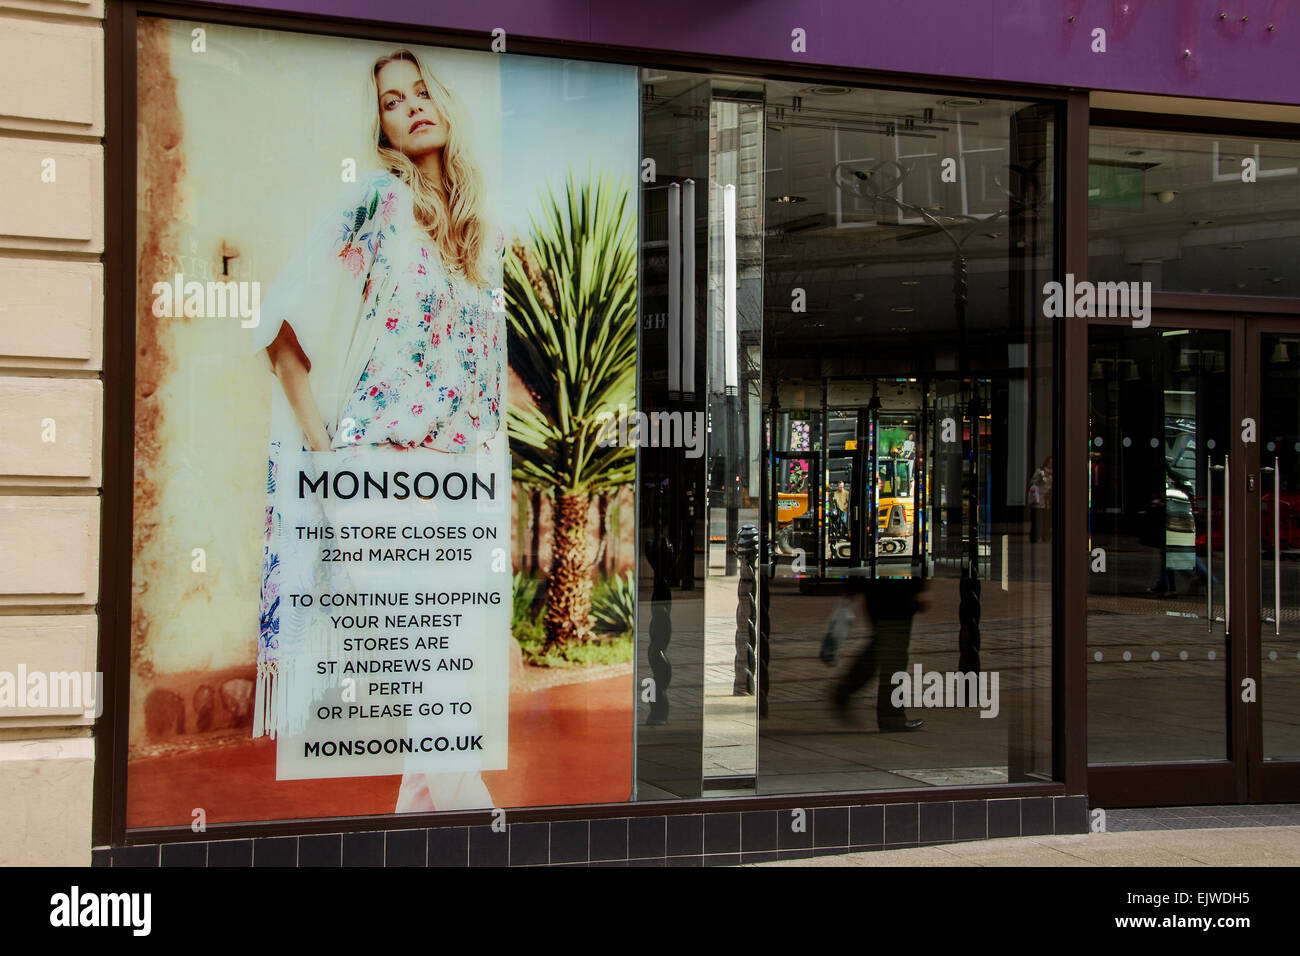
(51, 411)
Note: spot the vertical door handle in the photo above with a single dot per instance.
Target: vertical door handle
(1211, 620)
(1276, 619)
(1227, 549)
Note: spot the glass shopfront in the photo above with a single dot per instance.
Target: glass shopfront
(877, 379)
(519, 432)
(1192, 659)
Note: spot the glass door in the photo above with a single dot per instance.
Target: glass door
(1194, 561)
(1273, 653)
(1165, 608)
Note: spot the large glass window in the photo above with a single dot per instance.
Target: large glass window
(1194, 212)
(885, 427)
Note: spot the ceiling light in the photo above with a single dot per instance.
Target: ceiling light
(961, 102)
(829, 90)
(787, 199)
(902, 308)
(1166, 195)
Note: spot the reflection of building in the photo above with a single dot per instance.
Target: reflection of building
(842, 272)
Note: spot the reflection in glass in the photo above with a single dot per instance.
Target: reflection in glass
(902, 326)
(1280, 544)
(1194, 212)
(1157, 644)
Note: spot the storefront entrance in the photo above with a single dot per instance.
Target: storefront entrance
(1194, 574)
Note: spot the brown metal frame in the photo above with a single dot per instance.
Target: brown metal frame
(1268, 782)
(110, 786)
(1210, 781)
(1243, 777)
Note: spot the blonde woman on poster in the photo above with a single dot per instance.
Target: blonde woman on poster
(382, 336)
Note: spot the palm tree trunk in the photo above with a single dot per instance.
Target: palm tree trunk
(568, 599)
(602, 508)
(535, 544)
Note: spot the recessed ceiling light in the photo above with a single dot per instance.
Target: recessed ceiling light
(1134, 152)
(961, 102)
(787, 199)
(902, 308)
(829, 90)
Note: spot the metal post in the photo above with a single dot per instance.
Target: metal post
(745, 665)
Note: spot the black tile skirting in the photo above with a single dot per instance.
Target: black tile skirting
(684, 839)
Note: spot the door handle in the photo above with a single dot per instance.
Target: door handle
(1211, 620)
(1276, 619)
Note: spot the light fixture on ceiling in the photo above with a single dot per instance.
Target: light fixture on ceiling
(1166, 195)
(1134, 152)
(1280, 354)
(902, 308)
(829, 90)
(961, 102)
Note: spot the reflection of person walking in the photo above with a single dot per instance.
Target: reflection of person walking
(891, 603)
(1040, 502)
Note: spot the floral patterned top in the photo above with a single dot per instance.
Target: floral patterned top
(433, 375)
(404, 352)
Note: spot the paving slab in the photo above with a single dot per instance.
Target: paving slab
(1239, 846)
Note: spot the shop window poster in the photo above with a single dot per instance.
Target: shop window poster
(380, 563)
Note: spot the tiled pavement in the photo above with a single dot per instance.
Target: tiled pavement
(1195, 818)
(1235, 846)
(1266, 835)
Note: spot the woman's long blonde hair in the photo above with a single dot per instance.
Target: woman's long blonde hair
(451, 211)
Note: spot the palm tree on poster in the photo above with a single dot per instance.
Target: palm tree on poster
(571, 300)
